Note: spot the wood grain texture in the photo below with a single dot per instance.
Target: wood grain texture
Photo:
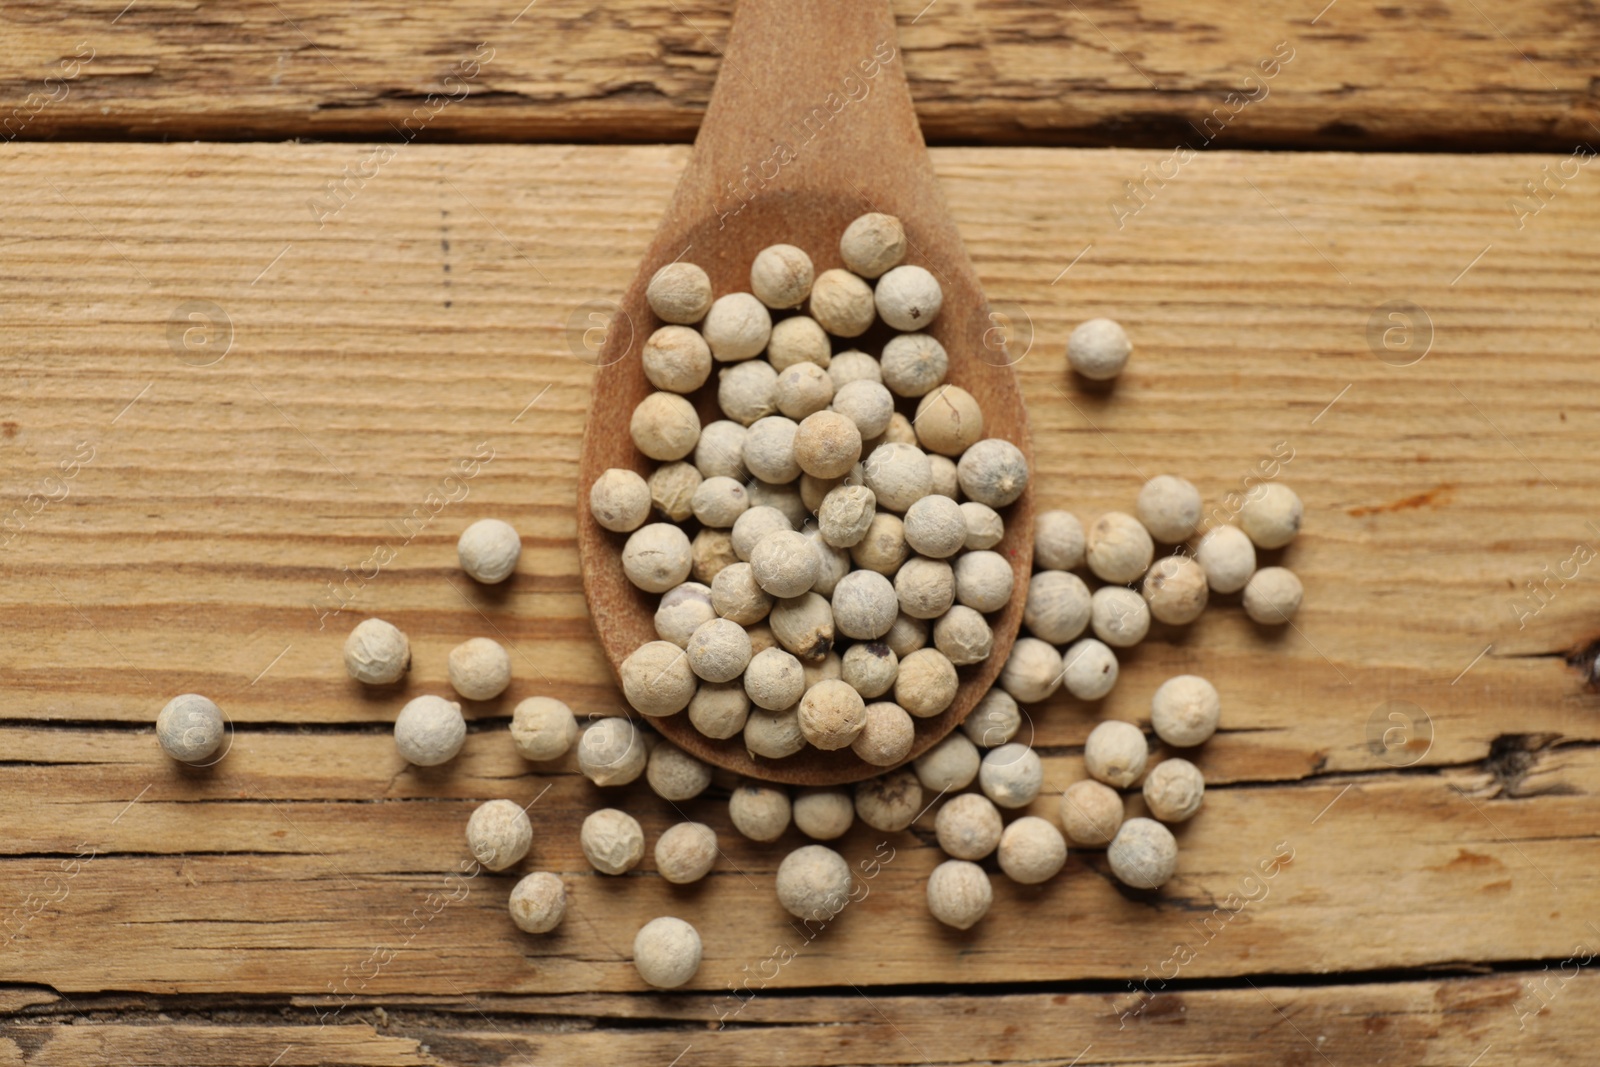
(724, 211)
(1428, 1023)
(1482, 74)
(445, 305)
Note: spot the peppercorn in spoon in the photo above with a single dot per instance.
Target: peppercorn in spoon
(809, 128)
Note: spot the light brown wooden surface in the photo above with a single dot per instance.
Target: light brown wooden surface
(1488, 74)
(367, 355)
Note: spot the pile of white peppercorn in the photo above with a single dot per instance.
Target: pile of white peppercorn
(819, 583)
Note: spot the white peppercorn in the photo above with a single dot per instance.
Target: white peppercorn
(1175, 589)
(948, 421)
(666, 952)
(913, 364)
(959, 893)
(773, 680)
(744, 391)
(664, 426)
(1169, 507)
(906, 635)
(656, 557)
(832, 564)
(983, 580)
(781, 276)
(1091, 813)
(803, 625)
(994, 720)
(1272, 595)
(798, 339)
(538, 903)
(769, 449)
(864, 605)
(1011, 775)
(926, 683)
(842, 303)
(679, 293)
(963, 635)
(756, 523)
(934, 526)
(949, 766)
(683, 610)
(908, 297)
(1115, 753)
(870, 667)
(760, 813)
(720, 711)
(718, 651)
(190, 728)
(658, 677)
(619, 500)
(479, 668)
(1089, 669)
(845, 515)
(377, 653)
(872, 244)
(801, 389)
(785, 497)
(1185, 710)
(867, 404)
(1058, 606)
(611, 751)
(814, 883)
(985, 529)
(1032, 672)
(946, 478)
(1120, 617)
(898, 475)
(499, 834)
(674, 774)
(612, 841)
(993, 471)
(1144, 854)
(889, 802)
(676, 359)
(718, 502)
(853, 365)
(736, 327)
(1228, 557)
(489, 549)
(968, 826)
(827, 444)
(1032, 851)
(814, 490)
(1174, 789)
(883, 547)
(1118, 548)
(686, 852)
(832, 714)
(1271, 515)
(543, 728)
(429, 731)
(1058, 540)
(737, 597)
(709, 552)
(823, 814)
(925, 587)
(1098, 349)
(886, 736)
(672, 487)
(774, 734)
(899, 432)
(784, 563)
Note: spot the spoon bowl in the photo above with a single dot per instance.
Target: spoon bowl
(809, 127)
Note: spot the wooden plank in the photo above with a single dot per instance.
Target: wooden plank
(1490, 74)
(318, 866)
(1437, 1023)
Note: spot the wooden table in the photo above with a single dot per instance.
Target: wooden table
(228, 385)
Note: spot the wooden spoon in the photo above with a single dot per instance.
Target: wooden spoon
(810, 126)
